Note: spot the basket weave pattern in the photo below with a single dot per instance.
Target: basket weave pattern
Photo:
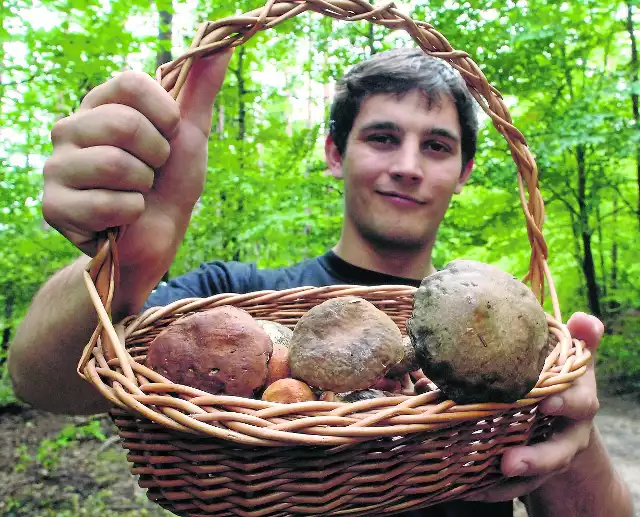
(203, 455)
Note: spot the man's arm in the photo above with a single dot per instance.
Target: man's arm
(48, 344)
(131, 157)
(590, 487)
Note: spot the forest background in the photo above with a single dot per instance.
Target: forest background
(569, 74)
(568, 70)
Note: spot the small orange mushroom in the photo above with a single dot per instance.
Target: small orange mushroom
(278, 366)
(288, 391)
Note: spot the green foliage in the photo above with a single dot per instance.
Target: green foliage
(563, 67)
(7, 397)
(49, 450)
(48, 453)
(23, 458)
(94, 505)
(620, 356)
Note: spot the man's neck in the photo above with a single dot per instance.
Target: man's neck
(414, 264)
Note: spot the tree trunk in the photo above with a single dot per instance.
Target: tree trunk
(634, 95)
(603, 266)
(577, 250)
(242, 91)
(614, 246)
(372, 40)
(220, 124)
(165, 9)
(6, 332)
(588, 265)
(242, 132)
(613, 306)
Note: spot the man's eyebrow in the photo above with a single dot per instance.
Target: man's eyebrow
(378, 125)
(384, 125)
(444, 132)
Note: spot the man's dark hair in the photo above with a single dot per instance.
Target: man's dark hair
(400, 71)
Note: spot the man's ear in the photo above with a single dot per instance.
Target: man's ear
(333, 157)
(464, 176)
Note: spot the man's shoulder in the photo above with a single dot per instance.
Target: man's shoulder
(218, 276)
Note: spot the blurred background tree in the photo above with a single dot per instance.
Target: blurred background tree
(568, 70)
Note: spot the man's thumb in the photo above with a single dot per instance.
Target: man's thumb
(201, 87)
(586, 327)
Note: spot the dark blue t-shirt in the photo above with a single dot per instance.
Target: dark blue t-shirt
(238, 277)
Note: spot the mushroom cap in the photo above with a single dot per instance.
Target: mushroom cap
(356, 396)
(278, 366)
(221, 350)
(344, 344)
(479, 333)
(288, 391)
(277, 332)
(409, 363)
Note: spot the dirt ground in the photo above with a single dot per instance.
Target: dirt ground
(90, 478)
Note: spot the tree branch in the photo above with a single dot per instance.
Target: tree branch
(616, 189)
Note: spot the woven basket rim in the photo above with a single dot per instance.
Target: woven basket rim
(566, 362)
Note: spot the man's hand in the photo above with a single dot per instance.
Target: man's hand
(131, 155)
(532, 466)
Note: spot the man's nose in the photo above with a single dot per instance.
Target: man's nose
(407, 163)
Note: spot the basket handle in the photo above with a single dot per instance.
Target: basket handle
(101, 274)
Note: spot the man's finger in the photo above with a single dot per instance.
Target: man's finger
(199, 91)
(99, 167)
(552, 456)
(140, 92)
(509, 490)
(114, 125)
(89, 211)
(587, 328)
(580, 402)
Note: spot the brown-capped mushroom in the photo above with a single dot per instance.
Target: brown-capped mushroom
(344, 344)
(408, 363)
(220, 350)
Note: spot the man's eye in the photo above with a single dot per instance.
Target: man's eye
(436, 146)
(382, 139)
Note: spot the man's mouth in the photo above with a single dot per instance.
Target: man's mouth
(401, 197)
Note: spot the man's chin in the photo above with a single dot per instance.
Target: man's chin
(400, 241)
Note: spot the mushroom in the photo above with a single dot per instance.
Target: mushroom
(355, 396)
(408, 363)
(278, 366)
(479, 333)
(288, 391)
(220, 351)
(344, 344)
(277, 332)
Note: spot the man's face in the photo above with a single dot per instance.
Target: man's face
(401, 165)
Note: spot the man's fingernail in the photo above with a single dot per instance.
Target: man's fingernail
(554, 405)
(518, 470)
(598, 327)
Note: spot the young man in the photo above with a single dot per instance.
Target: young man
(402, 138)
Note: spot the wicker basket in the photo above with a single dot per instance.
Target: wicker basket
(203, 455)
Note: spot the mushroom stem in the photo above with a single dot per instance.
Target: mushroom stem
(328, 396)
(407, 385)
